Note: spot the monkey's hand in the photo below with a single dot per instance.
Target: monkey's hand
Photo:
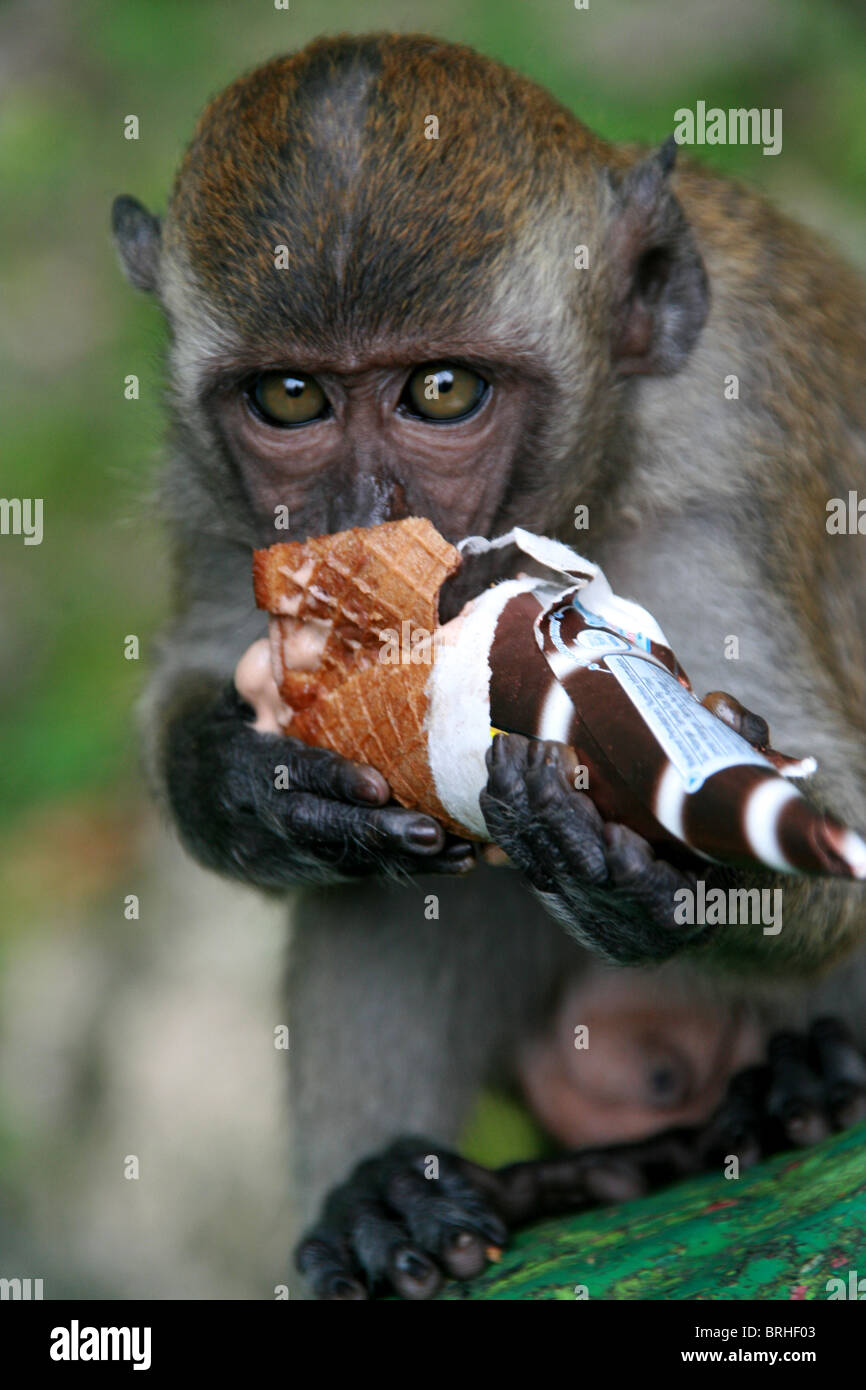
(415, 1214)
(810, 1086)
(601, 880)
(402, 1221)
(274, 812)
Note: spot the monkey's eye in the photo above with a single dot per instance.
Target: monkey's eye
(287, 398)
(441, 392)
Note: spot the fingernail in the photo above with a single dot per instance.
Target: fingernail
(424, 834)
(368, 786)
(463, 1240)
(415, 1266)
(459, 850)
(463, 866)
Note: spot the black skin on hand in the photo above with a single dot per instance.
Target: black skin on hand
(392, 1230)
(333, 821)
(600, 879)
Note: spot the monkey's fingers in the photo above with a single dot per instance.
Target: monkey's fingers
(315, 821)
(749, 726)
(843, 1069)
(810, 1085)
(741, 1125)
(602, 881)
(533, 813)
(327, 1265)
(399, 1223)
(651, 883)
(796, 1096)
(327, 774)
(319, 783)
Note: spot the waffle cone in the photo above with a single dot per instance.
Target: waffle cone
(351, 591)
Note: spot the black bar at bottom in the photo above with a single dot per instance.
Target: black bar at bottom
(164, 1339)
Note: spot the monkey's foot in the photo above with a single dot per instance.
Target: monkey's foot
(601, 880)
(401, 1222)
(810, 1086)
(413, 1215)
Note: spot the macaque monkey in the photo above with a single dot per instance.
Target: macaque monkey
(694, 380)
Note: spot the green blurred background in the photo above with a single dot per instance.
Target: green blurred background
(154, 1035)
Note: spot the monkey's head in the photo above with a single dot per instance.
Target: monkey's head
(402, 279)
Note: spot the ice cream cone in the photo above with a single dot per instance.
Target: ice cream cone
(358, 606)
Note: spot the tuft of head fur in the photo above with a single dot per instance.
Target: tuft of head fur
(325, 151)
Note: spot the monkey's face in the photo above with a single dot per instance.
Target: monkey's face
(391, 433)
(369, 266)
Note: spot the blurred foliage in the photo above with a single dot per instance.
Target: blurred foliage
(72, 330)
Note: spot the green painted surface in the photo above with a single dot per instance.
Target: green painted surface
(780, 1231)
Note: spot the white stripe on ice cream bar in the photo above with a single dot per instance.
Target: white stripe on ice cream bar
(761, 821)
(458, 710)
(560, 663)
(669, 801)
(557, 715)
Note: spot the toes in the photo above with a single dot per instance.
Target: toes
(390, 1227)
(465, 1255)
(809, 1086)
(739, 1126)
(613, 1178)
(384, 1250)
(448, 1217)
(413, 1275)
(796, 1094)
(367, 1250)
(328, 1268)
(843, 1071)
(544, 1187)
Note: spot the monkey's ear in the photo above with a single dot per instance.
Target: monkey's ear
(138, 241)
(662, 292)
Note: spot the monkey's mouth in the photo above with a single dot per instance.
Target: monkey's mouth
(477, 573)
